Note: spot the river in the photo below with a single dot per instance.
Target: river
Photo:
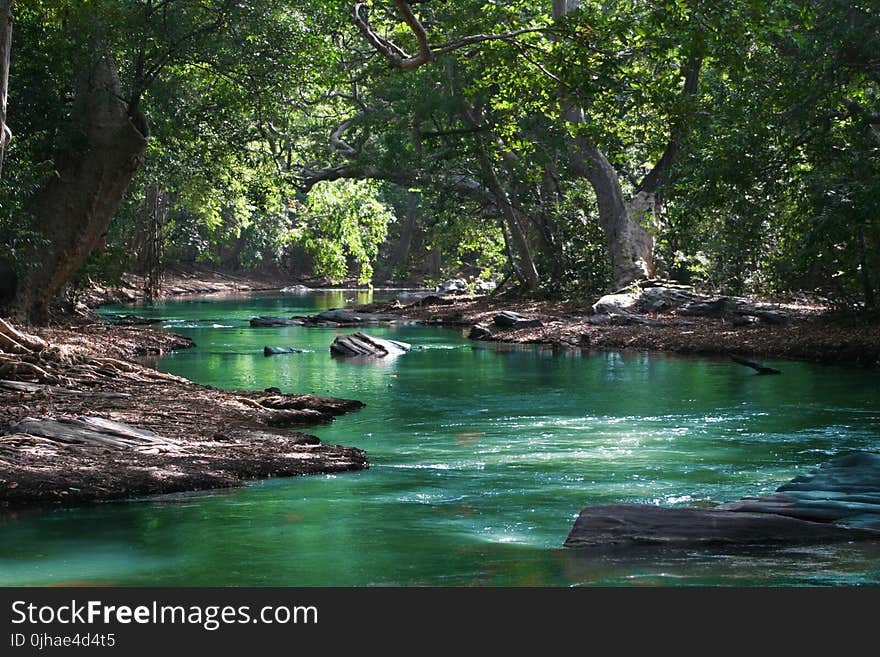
(481, 458)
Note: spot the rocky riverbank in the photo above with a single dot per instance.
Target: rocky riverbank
(80, 421)
(712, 325)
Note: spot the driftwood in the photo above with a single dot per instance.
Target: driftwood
(760, 369)
(361, 344)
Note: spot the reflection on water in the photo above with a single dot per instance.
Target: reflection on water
(481, 459)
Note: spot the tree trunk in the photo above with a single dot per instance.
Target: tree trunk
(155, 209)
(400, 253)
(630, 244)
(74, 209)
(5, 53)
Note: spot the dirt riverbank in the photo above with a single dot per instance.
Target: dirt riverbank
(808, 332)
(87, 423)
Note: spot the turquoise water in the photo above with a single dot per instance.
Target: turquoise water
(481, 458)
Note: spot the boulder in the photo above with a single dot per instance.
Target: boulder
(277, 351)
(452, 286)
(615, 303)
(480, 332)
(663, 299)
(710, 307)
(361, 344)
(262, 322)
(511, 320)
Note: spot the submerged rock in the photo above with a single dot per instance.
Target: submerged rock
(361, 344)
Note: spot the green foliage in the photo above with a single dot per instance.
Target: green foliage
(775, 187)
(342, 223)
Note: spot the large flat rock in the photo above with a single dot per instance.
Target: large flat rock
(838, 501)
(609, 525)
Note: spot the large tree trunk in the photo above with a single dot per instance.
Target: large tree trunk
(630, 244)
(74, 209)
(5, 53)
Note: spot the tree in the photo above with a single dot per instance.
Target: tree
(5, 54)
(627, 219)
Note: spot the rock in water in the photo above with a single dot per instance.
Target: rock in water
(608, 525)
(342, 316)
(277, 351)
(261, 322)
(839, 501)
(361, 344)
(511, 320)
(480, 332)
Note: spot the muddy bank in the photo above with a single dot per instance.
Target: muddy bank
(809, 333)
(57, 379)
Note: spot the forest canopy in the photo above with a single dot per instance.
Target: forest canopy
(571, 147)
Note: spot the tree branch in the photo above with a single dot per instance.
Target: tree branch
(398, 58)
(659, 174)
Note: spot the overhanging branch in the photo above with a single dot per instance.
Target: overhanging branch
(399, 58)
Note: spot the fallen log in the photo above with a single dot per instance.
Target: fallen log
(760, 369)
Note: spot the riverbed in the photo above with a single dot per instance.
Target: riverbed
(481, 458)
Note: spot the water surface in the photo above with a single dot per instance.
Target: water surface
(480, 458)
